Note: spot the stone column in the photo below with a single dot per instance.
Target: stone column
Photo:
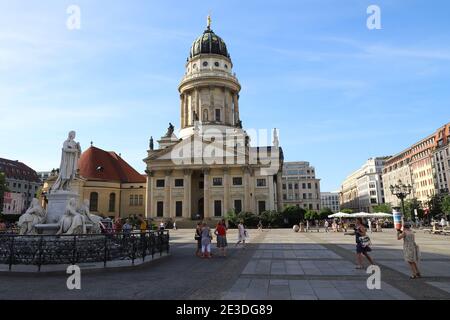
(271, 204)
(252, 183)
(206, 188)
(167, 195)
(182, 113)
(187, 194)
(226, 191)
(186, 110)
(280, 191)
(246, 189)
(149, 201)
(236, 107)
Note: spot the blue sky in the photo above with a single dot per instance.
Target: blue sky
(338, 92)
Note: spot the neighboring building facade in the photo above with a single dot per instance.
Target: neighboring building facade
(330, 200)
(44, 175)
(364, 188)
(422, 165)
(300, 185)
(211, 168)
(13, 203)
(111, 185)
(20, 179)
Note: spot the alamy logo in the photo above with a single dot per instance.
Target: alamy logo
(74, 280)
(374, 20)
(374, 280)
(74, 20)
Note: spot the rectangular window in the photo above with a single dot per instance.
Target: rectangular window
(261, 206)
(238, 205)
(237, 181)
(309, 185)
(179, 208)
(217, 181)
(160, 209)
(160, 183)
(179, 182)
(218, 115)
(284, 196)
(303, 185)
(131, 200)
(217, 208)
(141, 200)
(284, 186)
(262, 183)
(290, 186)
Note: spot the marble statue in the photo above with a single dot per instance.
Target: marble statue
(71, 222)
(170, 130)
(276, 141)
(69, 164)
(89, 218)
(33, 216)
(239, 124)
(151, 145)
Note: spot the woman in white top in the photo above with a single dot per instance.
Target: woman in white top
(241, 234)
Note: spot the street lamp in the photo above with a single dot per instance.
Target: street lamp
(401, 191)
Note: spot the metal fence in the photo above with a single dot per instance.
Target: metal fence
(42, 250)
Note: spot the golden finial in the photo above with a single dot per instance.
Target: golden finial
(208, 22)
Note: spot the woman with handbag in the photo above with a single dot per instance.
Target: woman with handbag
(410, 249)
(362, 244)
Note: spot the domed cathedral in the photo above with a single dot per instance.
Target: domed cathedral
(210, 168)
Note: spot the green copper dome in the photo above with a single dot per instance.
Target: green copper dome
(209, 43)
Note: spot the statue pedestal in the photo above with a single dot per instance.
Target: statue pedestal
(57, 203)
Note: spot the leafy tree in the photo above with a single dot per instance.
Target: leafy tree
(324, 213)
(3, 189)
(411, 205)
(311, 215)
(347, 210)
(272, 218)
(445, 205)
(292, 215)
(434, 205)
(385, 208)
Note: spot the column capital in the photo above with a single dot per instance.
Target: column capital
(187, 172)
(206, 170)
(226, 170)
(168, 172)
(150, 173)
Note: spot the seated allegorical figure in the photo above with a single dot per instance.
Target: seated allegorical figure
(71, 222)
(34, 215)
(90, 218)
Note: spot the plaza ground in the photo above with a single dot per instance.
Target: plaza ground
(276, 264)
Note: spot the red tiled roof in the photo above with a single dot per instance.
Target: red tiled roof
(18, 170)
(98, 164)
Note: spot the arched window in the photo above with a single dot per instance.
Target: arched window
(112, 202)
(93, 202)
(205, 115)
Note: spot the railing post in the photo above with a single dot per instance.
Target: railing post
(74, 253)
(160, 243)
(105, 251)
(11, 253)
(133, 248)
(41, 239)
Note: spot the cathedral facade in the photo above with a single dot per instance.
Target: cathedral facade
(211, 168)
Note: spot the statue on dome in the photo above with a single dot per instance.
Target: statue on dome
(151, 145)
(170, 130)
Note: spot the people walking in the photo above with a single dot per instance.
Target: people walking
(206, 241)
(362, 244)
(221, 233)
(198, 238)
(127, 227)
(326, 225)
(242, 234)
(260, 226)
(410, 249)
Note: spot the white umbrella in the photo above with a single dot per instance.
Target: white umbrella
(382, 215)
(339, 215)
(360, 215)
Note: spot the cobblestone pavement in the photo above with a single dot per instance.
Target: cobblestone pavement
(276, 264)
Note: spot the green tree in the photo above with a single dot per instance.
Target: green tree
(410, 206)
(324, 213)
(434, 205)
(347, 210)
(311, 215)
(3, 189)
(292, 215)
(272, 218)
(445, 204)
(385, 208)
